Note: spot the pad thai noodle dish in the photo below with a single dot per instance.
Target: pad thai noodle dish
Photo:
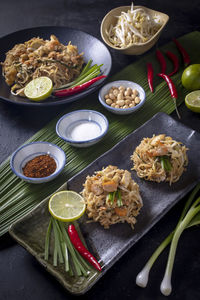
(112, 197)
(133, 27)
(38, 57)
(160, 158)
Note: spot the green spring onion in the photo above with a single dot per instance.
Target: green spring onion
(111, 197)
(165, 163)
(64, 251)
(190, 216)
(89, 72)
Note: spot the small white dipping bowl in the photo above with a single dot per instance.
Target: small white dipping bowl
(27, 152)
(122, 111)
(82, 128)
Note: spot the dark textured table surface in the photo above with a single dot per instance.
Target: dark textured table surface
(21, 277)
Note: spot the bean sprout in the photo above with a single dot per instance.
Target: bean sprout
(133, 27)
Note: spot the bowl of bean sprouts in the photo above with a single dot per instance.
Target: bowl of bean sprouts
(132, 30)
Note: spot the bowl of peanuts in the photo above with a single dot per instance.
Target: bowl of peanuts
(122, 97)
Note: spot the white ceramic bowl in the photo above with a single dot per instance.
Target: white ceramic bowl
(122, 111)
(82, 128)
(27, 152)
(134, 49)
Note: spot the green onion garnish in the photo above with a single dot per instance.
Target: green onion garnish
(111, 197)
(165, 163)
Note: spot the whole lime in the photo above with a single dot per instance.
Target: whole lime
(191, 77)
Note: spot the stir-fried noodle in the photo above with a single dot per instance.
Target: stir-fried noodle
(160, 158)
(38, 57)
(112, 197)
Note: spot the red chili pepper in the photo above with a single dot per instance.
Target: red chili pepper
(74, 237)
(183, 52)
(78, 88)
(161, 60)
(150, 76)
(175, 61)
(172, 89)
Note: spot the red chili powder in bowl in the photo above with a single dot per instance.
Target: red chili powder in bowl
(40, 166)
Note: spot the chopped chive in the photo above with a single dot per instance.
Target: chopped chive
(87, 67)
(63, 247)
(119, 198)
(109, 198)
(57, 247)
(71, 249)
(46, 251)
(55, 252)
(113, 197)
(89, 72)
(165, 163)
(65, 255)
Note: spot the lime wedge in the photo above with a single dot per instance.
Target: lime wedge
(67, 206)
(192, 101)
(39, 88)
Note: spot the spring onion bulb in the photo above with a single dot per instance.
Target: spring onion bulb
(143, 277)
(133, 26)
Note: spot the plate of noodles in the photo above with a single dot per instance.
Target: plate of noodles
(59, 53)
(125, 197)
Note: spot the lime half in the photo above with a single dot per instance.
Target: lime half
(67, 206)
(39, 88)
(192, 101)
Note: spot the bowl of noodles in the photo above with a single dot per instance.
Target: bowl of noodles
(132, 30)
(59, 53)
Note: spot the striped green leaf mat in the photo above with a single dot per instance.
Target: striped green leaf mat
(17, 197)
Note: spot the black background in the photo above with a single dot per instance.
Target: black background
(21, 277)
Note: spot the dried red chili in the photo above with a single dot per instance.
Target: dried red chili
(40, 166)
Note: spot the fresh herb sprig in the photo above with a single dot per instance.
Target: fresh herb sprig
(190, 216)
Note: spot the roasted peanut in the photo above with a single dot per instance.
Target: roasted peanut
(111, 96)
(109, 101)
(115, 92)
(137, 100)
(120, 102)
(122, 97)
(127, 102)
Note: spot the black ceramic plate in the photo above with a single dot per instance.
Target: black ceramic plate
(158, 198)
(91, 46)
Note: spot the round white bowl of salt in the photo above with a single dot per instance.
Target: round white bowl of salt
(82, 128)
